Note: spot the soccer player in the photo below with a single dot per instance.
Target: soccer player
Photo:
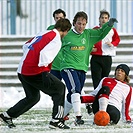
(57, 15)
(112, 95)
(76, 48)
(33, 72)
(55, 70)
(103, 51)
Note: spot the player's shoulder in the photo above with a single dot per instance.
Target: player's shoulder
(51, 27)
(108, 79)
(114, 29)
(96, 27)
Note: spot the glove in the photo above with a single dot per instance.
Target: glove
(111, 21)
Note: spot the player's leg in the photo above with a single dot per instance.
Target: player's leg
(56, 89)
(114, 114)
(106, 66)
(101, 100)
(56, 73)
(67, 106)
(72, 79)
(32, 97)
(96, 70)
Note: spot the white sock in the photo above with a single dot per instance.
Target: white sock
(67, 107)
(76, 103)
(103, 103)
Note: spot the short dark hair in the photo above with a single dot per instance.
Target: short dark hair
(104, 12)
(59, 11)
(78, 15)
(63, 25)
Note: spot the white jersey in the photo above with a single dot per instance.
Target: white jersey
(39, 52)
(102, 49)
(120, 95)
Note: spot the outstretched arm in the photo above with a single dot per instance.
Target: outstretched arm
(97, 35)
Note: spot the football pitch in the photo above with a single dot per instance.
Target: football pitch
(37, 121)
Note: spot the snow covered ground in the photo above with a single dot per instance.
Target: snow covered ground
(37, 120)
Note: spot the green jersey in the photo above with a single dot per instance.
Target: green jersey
(76, 48)
(57, 59)
(56, 62)
(51, 27)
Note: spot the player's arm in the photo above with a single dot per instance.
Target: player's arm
(98, 34)
(115, 38)
(89, 98)
(125, 109)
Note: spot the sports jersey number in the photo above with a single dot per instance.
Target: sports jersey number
(35, 40)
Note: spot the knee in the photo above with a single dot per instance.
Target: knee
(34, 99)
(105, 90)
(114, 114)
(74, 96)
(114, 117)
(62, 89)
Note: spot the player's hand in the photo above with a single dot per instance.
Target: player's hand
(109, 44)
(111, 21)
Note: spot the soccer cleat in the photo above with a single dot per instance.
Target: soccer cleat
(7, 120)
(59, 124)
(79, 121)
(89, 109)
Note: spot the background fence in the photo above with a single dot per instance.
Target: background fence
(36, 15)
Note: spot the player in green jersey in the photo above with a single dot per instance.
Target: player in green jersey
(76, 48)
(57, 15)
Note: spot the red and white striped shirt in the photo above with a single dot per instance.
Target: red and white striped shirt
(39, 52)
(120, 95)
(103, 49)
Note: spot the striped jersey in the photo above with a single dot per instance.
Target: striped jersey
(39, 52)
(58, 58)
(103, 49)
(120, 95)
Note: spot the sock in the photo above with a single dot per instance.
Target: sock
(103, 103)
(76, 103)
(67, 107)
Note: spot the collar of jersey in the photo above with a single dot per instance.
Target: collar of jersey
(76, 31)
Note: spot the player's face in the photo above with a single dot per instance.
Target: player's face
(120, 74)
(103, 19)
(58, 16)
(80, 25)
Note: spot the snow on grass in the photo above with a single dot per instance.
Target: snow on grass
(37, 120)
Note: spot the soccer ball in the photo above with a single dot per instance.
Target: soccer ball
(101, 118)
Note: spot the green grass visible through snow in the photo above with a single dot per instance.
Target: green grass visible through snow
(37, 121)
